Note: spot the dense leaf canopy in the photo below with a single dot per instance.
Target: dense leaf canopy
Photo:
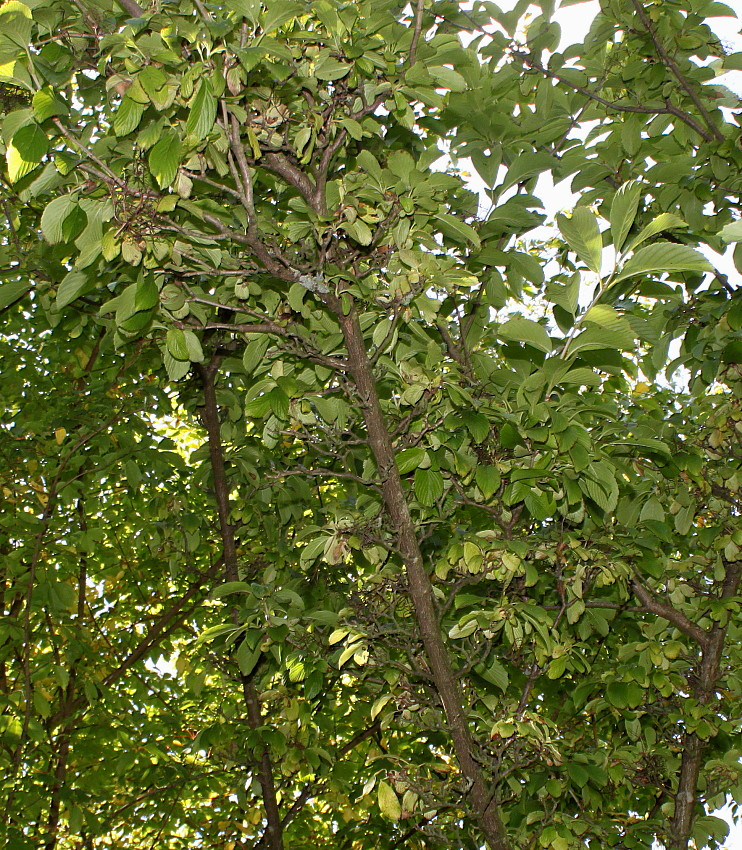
(346, 504)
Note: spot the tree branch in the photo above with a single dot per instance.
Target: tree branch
(704, 690)
(672, 66)
(669, 109)
(420, 587)
(417, 30)
(132, 7)
(670, 613)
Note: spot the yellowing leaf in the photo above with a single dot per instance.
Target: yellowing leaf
(389, 802)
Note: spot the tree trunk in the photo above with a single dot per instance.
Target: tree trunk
(421, 589)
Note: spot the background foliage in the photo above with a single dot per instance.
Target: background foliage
(342, 506)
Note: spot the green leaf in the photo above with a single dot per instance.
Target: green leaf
(623, 211)
(46, 103)
(428, 486)
(247, 658)
(526, 330)
(594, 338)
(458, 230)
(582, 234)
(54, 215)
(278, 13)
(664, 221)
(16, 23)
(494, 673)
(389, 802)
(147, 294)
(664, 257)
(329, 68)
(527, 165)
(608, 318)
(214, 632)
(578, 774)
(127, 117)
(733, 62)
(368, 162)
(409, 459)
(202, 114)
(354, 129)
(488, 480)
(176, 369)
(164, 159)
(617, 694)
(73, 285)
(255, 353)
(29, 146)
(359, 231)
(176, 344)
(230, 587)
(193, 344)
(732, 232)
(12, 291)
(447, 78)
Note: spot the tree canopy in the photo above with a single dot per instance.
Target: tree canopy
(346, 504)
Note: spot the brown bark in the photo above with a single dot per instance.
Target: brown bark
(421, 589)
(274, 829)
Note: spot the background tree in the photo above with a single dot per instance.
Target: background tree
(439, 552)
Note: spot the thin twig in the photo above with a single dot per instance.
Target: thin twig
(672, 66)
(669, 108)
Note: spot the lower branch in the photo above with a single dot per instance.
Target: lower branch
(212, 423)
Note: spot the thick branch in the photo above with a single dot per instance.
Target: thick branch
(421, 589)
(416, 31)
(278, 164)
(669, 613)
(133, 8)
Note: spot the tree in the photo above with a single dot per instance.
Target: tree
(441, 549)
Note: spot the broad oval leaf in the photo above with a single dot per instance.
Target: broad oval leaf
(12, 291)
(29, 146)
(526, 330)
(177, 344)
(164, 159)
(664, 221)
(428, 486)
(458, 230)
(663, 257)
(582, 234)
(52, 219)
(447, 78)
(389, 802)
(203, 112)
